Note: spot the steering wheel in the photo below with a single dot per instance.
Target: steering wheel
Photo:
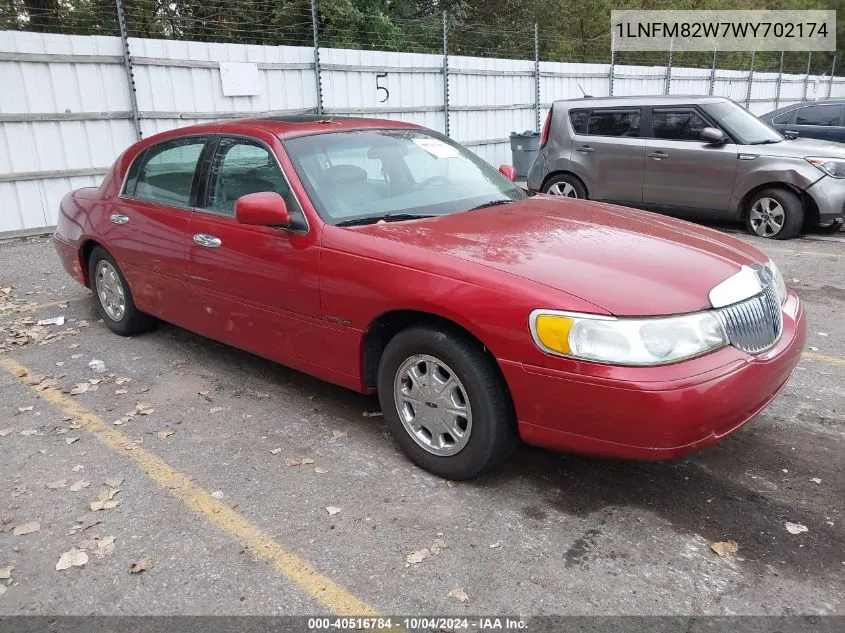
(430, 181)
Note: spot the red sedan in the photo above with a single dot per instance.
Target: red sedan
(383, 257)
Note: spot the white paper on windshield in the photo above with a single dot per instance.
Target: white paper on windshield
(436, 147)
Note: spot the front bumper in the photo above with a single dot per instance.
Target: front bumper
(653, 420)
(829, 195)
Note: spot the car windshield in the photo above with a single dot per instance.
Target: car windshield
(394, 174)
(744, 126)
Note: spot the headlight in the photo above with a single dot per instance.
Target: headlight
(780, 284)
(831, 166)
(651, 341)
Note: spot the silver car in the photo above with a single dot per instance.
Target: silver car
(699, 156)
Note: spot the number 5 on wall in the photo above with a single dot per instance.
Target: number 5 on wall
(382, 88)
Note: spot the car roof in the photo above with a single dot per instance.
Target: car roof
(285, 125)
(646, 100)
(801, 104)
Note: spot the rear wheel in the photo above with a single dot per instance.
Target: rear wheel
(113, 296)
(776, 214)
(446, 402)
(567, 186)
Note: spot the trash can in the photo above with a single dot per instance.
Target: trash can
(524, 149)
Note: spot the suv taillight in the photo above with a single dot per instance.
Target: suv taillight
(544, 135)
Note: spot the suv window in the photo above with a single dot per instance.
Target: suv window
(608, 122)
(825, 115)
(678, 125)
(242, 166)
(166, 175)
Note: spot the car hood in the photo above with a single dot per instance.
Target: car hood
(798, 148)
(625, 261)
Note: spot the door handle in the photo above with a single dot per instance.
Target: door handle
(116, 218)
(208, 241)
(584, 148)
(791, 132)
(658, 155)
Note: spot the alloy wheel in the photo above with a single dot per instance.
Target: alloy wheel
(563, 189)
(767, 217)
(110, 291)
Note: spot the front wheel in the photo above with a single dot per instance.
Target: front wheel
(776, 214)
(567, 186)
(114, 298)
(446, 402)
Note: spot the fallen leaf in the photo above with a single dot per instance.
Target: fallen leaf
(120, 380)
(320, 471)
(71, 440)
(119, 422)
(275, 451)
(28, 432)
(338, 433)
(100, 546)
(79, 485)
(77, 468)
(417, 557)
(143, 564)
(114, 482)
(437, 545)
(307, 461)
(55, 485)
(795, 528)
(724, 548)
(6, 572)
(144, 410)
(816, 480)
(95, 381)
(458, 594)
(25, 409)
(105, 500)
(372, 414)
(81, 387)
(120, 392)
(451, 483)
(26, 528)
(72, 558)
(332, 510)
(215, 409)
(293, 462)
(165, 433)
(217, 494)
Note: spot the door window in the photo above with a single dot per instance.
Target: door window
(678, 125)
(786, 117)
(166, 175)
(242, 166)
(824, 115)
(614, 123)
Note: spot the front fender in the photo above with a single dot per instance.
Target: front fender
(796, 173)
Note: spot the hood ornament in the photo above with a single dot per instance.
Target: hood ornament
(749, 281)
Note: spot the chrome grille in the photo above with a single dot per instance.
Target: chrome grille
(755, 324)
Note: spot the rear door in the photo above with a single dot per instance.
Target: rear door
(146, 227)
(823, 121)
(608, 152)
(683, 171)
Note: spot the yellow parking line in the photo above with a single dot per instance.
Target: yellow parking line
(823, 358)
(43, 306)
(297, 570)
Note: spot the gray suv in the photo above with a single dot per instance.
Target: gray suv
(700, 156)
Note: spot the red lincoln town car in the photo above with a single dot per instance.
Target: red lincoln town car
(383, 257)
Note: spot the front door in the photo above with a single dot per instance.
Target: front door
(683, 171)
(823, 121)
(255, 287)
(145, 228)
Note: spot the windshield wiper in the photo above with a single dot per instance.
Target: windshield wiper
(768, 141)
(492, 203)
(388, 217)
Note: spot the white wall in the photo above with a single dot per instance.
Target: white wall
(54, 81)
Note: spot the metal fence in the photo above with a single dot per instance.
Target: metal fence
(71, 102)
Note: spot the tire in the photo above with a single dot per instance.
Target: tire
(566, 185)
(109, 286)
(775, 214)
(490, 423)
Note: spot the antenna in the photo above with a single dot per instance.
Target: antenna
(584, 94)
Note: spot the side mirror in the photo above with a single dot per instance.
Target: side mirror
(508, 172)
(265, 208)
(713, 135)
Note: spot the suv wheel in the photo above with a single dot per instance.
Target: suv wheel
(566, 185)
(776, 214)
